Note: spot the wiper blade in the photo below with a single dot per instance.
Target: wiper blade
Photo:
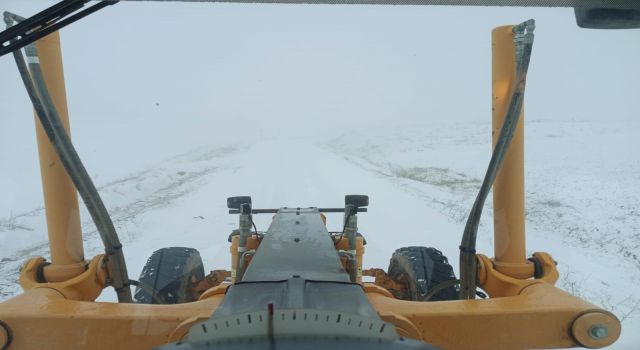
(44, 23)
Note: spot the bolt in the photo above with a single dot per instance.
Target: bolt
(598, 331)
(5, 335)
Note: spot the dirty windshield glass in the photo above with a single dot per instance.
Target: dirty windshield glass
(261, 167)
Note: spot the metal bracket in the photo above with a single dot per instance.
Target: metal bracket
(85, 287)
(498, 284)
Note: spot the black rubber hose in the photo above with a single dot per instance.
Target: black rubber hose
(50, 121)
(468, 245)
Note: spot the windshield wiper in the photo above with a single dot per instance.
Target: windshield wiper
(44, 23)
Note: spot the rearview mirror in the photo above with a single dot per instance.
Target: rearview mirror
(601, 18)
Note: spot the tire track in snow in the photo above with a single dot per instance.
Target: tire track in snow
(127, 198)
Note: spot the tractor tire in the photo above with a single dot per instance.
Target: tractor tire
(420, 269)
(170, 273)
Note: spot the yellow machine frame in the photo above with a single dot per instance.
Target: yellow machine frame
(58, 310)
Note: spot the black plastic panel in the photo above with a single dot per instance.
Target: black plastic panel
(607, 18)
(304, 343)
(296, 244)
(295, 293)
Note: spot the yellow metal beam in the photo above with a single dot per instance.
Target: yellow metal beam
(540, 317)
(42, 318)
(508, 188)
(60, 198)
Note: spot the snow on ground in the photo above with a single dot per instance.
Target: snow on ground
(422, 179)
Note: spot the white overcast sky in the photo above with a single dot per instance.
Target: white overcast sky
(144, 77)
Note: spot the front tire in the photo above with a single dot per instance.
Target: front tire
(420, 269)
(170, 272)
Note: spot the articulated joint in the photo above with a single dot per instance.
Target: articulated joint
(523, 270)
(498, 284)
(596, 329)
(61, 273)
(87, 286)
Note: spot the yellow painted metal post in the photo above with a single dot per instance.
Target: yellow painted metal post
(60, 197)
(508, 189)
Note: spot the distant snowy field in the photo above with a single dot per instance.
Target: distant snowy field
(422, 179)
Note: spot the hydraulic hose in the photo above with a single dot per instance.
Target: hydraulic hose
(523, 45)
(35, 85)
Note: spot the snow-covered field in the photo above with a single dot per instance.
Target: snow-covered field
(298, 106)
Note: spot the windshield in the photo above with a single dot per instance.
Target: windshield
(175, 107)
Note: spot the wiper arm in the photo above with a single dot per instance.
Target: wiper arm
(523, 44)
(36, 87)
(44, 23)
